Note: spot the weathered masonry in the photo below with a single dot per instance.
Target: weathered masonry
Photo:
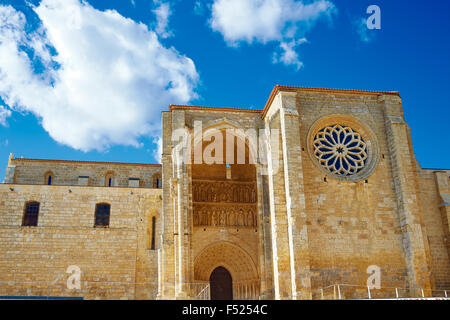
(336, 191)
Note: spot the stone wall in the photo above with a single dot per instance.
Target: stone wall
(115, 262)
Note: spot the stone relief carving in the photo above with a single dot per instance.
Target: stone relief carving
(223, 192)
(224, 204)
(221, 216)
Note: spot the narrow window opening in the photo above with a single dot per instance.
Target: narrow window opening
(48, 178)
(157, 180)
(109, 179)
(153, 232)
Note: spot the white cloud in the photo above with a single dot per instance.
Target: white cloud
(4, 113)
(114, 76)
(262, 21)
(265, 20)
(288, 55)
(162, 13)
(362, 30)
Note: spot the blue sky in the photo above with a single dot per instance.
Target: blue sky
(78, 82)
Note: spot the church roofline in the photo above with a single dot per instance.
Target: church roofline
(183, 107)
(87, 162)
(279, 88)
(274, 92)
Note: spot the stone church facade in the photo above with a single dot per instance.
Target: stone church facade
(328, 189)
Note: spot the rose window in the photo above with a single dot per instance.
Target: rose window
(340, 149)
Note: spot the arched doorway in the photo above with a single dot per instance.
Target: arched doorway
(221, 284)
(237, 262)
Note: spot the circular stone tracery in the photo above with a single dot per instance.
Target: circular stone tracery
(343, 147)
(340, 150)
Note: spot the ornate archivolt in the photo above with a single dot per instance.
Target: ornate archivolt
(233, 258)
(224, 203)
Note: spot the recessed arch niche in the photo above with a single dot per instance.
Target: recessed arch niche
(234, 259)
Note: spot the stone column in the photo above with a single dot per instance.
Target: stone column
(180, 208)
(182, 228)
(167, 253)
(405, 180)
(287, 203)
(264, 241)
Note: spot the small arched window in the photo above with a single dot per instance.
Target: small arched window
(157, 181)
(109, 179)
(48, 180)
(102, 211)
(31, 214)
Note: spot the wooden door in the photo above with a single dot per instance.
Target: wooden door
(221, 284)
